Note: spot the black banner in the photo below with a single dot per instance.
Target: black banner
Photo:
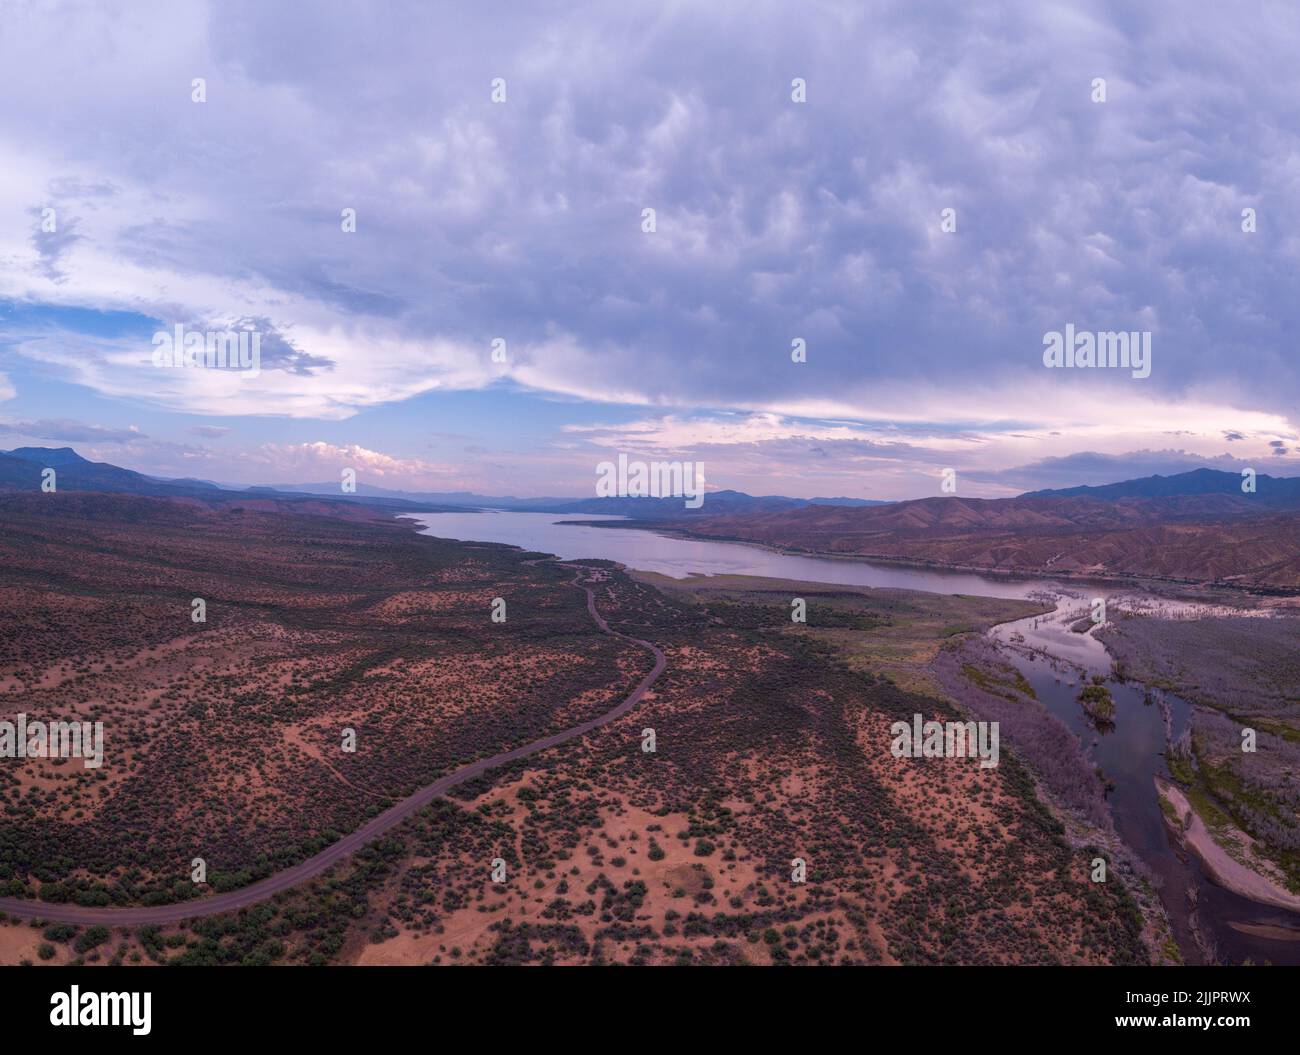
(341, 1004)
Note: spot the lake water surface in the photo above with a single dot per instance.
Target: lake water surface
(679, 557)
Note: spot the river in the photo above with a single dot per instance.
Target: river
(1130, 752)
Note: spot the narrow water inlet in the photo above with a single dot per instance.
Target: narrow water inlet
(1130, 754)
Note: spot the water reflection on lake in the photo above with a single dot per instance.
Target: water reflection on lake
(678, 557)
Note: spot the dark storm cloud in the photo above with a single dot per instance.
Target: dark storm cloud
(776, 219)
(278, 350)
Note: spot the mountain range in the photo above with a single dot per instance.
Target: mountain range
(1196, 525)
(22, 469)
(715, 503)
(1273, 491)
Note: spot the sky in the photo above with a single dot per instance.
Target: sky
(916, 194)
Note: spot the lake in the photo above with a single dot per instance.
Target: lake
(678, 557)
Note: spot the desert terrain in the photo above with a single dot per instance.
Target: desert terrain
(769, 824)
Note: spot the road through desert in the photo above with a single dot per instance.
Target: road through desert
(372, 829)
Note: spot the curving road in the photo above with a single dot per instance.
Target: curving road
(313, 866)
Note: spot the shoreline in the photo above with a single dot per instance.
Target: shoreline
(1151, 583)
(1219, 864)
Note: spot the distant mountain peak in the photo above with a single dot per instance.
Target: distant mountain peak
(51, 456)
(1201, 481)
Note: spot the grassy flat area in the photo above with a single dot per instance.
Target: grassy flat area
(881, 630)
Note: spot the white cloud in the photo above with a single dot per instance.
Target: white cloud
(776, 219)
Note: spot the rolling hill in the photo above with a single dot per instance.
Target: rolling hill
(1273, 491)
(21, 470)
(1192, 529)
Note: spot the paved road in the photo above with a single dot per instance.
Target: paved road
(372, 829)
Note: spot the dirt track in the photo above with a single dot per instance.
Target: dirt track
(376, 826)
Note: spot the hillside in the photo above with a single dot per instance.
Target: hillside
(1275, 492)
(22, 469)
(1187, 533)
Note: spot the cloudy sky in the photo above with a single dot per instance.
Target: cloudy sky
(127, 208)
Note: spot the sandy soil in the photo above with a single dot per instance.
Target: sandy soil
(18, 942)
(1224, 869)
(625, 831)
(1263, 930)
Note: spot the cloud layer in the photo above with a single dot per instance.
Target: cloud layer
(775, 220)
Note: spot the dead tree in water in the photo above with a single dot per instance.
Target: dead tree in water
(1167, 713)
(1181, 748)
